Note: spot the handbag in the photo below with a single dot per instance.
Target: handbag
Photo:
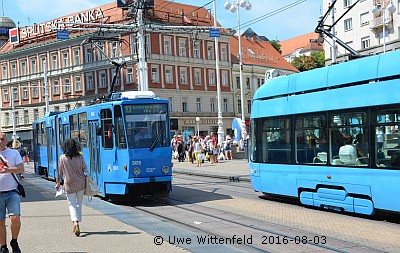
(91, 188)
(20, 187)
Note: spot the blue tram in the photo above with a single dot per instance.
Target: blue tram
(125, 143)
(330, 136)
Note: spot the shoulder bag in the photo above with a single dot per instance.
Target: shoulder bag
(91, 188)
(20, 187)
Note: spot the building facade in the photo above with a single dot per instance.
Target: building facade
(362, 27)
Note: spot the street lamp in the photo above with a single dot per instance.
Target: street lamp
(198, 129)
(382, 10)
(220, 131)
(235, 7)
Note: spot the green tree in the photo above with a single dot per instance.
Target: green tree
(305, 62)
(276, 45)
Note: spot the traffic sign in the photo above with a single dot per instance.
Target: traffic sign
(62, 34)
(215, 33)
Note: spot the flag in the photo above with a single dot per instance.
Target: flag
(14, 36)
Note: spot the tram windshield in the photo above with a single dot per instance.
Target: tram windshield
(146, 125)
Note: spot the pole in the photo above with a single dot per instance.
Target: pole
(142, 65)
(46, 88)
(240, 75)
(333, 32)
(220, 131)
(384, 28)
(14, 135)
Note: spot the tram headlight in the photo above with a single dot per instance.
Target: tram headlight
(136, 171)
(165, 169)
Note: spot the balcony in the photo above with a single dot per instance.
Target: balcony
(376, 23)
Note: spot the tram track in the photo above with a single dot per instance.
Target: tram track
(265, 239)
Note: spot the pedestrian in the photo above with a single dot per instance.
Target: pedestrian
(10, 199)
(72, 166)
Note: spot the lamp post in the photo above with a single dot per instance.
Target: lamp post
(235, 7)
(220, 131)
(198, 129)
(376, 11)
(14, 135)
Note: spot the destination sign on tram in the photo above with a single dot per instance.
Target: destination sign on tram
(146, 109)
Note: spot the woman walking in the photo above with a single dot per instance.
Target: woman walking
(72, 166)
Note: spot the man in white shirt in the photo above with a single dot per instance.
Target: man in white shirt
(10, 199)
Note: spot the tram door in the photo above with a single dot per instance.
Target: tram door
(94, 154)
(51, 151)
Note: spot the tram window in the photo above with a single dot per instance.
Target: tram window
(83, 129)
(311, 140)
(348, 138)
(39, 134)
(107, 129)
(119, 127)
(275, 141)
(387, 139)
(44, 131)
(73, 121)
(60, 131)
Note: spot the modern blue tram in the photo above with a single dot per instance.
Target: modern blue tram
(330, 136)
(124, 141)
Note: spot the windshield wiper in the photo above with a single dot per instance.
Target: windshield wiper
(156, 139)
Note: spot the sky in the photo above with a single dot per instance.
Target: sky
(300, 19)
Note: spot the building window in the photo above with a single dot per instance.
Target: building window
(56, 108)
(197, 76)
(225, 105)
(35, 114)
(182, 47)
(365, 42)
(89, 55)
(33, 66)
(171, 104)
(16, 115)
(6, 119)
(147, 42)
(239, 105)
(56, 87)
(248, 83)
(155, 76)
(102, 80)
(114, 51)
(346, 3)
(210, 51)
(211, 77)
(54, 64)
(184, 105)
(129, 75)
(168, 74)
(134, 44)
(364, 19)
(183, 75)
(198, 105)
(348, 24)
(78, 84)
(237, 82)
(223, 53)
(225, 78)
(77, 60)
(5, 95)
(13, 69)
(89, 82)
(24, 93)
(23, 68)
(4, 71)
(35, 92)
(67, 85)
(101, 52)
(16, 95)
(212, 104)
(26, 117)
(42, 61)
(67, 107)
(65, 59)
(196, 51)
(248, 106)
(167, 46)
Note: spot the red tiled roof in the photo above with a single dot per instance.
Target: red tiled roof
(258, 52)
(300, 42)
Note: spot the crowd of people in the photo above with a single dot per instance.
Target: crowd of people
(202, 148)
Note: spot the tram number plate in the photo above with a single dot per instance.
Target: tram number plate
(150, 169)
(136, 162)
